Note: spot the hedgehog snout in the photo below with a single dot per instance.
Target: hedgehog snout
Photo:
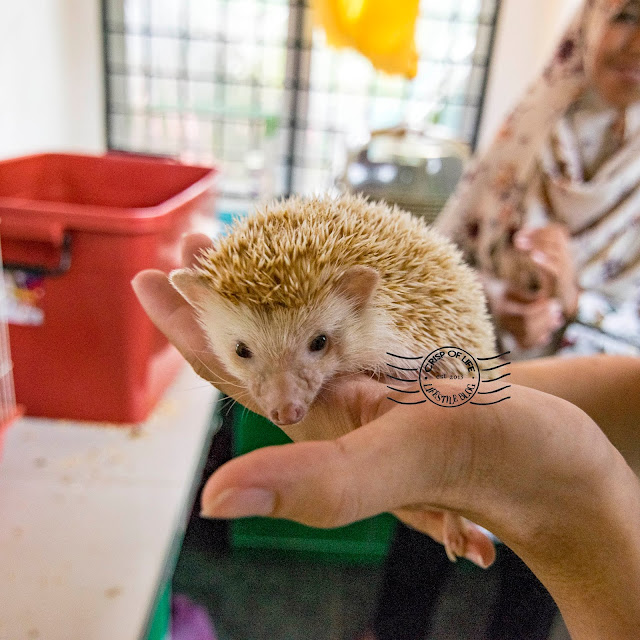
(285, 396)
(287, 414)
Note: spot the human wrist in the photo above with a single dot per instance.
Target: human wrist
(564, 469)
(583, 539)
(595, 578)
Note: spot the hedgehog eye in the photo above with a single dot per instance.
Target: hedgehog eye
(318, 343)
(243, 351)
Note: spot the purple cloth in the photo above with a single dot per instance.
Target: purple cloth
(190, 621)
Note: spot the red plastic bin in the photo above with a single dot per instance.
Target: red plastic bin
(75, 230)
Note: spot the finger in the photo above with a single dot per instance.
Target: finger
(479, 547)
(542, 325)
(522, 240)
(511, 307)
(170, 312)
(548, 318)
(350, 401)
(523, 337)
(414, 456)
(333, 483)
(539, 334)
(553, 235)
(175, 318)
(192, 246)
(551, 263)
(559, 233)
(528, 339)
(525, 293)
(561, 276)
(531, 339)
(558, 269)
(537, 325)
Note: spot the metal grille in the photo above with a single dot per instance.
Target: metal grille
(7, 393)
(249, 85)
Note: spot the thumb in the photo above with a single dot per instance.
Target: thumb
(333, 483)
(309, 482)
(405, 457)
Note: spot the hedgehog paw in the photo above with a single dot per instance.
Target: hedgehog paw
(455, 533)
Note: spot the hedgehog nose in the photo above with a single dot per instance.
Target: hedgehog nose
(288, 414)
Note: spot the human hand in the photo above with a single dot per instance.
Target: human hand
(549, 249)
(535, 470)
(540, 290)
(339, 410)
(531, 321)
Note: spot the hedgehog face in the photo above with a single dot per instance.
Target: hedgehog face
(283, 356)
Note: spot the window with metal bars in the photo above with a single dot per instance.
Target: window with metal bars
(250, 86)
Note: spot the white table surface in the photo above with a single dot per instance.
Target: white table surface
(89, 516)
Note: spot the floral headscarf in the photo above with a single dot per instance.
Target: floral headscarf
(533, 149)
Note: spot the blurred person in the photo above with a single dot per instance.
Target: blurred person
(550, 216)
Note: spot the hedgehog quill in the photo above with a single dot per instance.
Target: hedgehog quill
(306, 289)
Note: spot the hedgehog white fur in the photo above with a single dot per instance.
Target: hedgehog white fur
(360, 279)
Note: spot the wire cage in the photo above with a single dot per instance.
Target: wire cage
(212, 81)
(8, 409)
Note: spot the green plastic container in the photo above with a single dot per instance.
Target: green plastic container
(364, 542)
(161, 619)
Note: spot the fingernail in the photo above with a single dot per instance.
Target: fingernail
(240, 503)
(477, 559)
(522, 242)
(539, 257)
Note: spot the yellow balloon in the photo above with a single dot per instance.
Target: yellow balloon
(381, 30)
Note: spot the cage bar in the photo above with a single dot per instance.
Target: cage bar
(251, 61)
(8, 408)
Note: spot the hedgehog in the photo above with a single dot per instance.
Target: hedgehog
(305, 289)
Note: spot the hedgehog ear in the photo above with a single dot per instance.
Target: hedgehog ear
(358, 284)
(190, 286)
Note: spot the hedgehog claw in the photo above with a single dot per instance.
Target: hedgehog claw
(454, 534)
